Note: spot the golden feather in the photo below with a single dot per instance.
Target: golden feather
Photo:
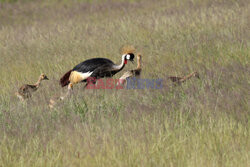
(127, 49)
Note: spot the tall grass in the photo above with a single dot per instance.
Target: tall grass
(200, 123)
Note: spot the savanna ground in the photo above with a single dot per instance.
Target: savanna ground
(200, 123)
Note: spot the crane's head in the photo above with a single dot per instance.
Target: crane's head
(196, 74)
(129, 56)
(43, 77)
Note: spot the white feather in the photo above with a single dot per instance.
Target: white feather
(85, 75)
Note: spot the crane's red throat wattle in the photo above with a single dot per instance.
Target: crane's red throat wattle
(126, 61)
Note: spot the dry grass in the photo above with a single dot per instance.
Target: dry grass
(200, 123)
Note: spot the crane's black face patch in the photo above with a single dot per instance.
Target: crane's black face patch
(130, 56)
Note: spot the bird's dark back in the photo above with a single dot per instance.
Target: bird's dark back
(174, 78)
(27, 88)
(92, 64)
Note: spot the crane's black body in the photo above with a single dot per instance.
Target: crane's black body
(92, 64)
(98, 67)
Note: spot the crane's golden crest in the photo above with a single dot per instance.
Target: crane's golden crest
(127, 49)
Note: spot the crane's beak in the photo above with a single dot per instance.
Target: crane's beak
(132, 61)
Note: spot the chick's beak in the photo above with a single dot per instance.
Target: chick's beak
(46, 78)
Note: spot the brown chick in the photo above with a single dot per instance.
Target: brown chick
(25, 91)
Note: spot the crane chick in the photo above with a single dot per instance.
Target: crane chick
(25, 91)
(180, 80)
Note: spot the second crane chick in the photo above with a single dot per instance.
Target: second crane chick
(180, 80)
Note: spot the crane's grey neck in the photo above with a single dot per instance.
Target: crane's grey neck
(122, 65)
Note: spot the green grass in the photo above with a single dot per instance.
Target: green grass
(200, 123)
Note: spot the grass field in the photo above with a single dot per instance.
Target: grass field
(200, 123)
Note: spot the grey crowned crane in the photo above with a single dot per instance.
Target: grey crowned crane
(25, 91)
(95, 68)
(131, 73)
(180, 80)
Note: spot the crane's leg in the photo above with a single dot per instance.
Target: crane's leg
(92, 84)
(70, 89)
(85, 85)
(74, 78)
(69, 92)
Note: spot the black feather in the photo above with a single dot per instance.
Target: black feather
(103, 71)
(132, 56)
(93, 64)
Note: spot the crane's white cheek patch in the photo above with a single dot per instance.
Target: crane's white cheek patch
(128, 57)
(76, 76)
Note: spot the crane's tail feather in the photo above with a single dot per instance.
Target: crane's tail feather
(64, 81)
